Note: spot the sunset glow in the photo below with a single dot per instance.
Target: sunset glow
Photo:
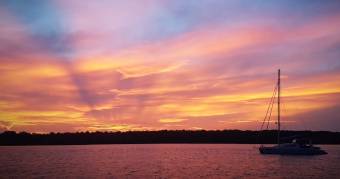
(167, 64)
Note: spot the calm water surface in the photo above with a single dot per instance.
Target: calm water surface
(162, 161)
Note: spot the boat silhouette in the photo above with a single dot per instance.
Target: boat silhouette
(297, 146)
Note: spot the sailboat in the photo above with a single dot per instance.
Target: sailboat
(296, 147)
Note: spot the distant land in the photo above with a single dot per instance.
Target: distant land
(164, 136)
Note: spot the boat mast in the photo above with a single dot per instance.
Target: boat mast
(278, 107)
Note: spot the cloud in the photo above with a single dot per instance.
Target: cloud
(318, 119)
(171, 120)
(5, 126)
(90, 74)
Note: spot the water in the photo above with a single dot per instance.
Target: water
(162, 161)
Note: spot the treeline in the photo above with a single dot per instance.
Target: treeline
(165, 136)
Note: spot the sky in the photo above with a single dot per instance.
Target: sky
(118, 65)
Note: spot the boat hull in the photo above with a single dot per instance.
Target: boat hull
(291, 151)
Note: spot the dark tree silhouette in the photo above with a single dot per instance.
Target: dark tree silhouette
(164, 136)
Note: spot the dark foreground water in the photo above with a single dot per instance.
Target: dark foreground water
(162, 161)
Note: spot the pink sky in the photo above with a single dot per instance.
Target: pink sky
(151, 65)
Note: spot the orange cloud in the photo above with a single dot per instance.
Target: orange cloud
(211, 78)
